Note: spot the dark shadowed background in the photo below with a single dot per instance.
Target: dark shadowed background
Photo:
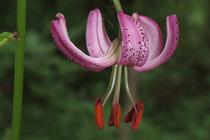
(59, 96)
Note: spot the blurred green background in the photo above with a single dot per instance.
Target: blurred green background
(59, 96)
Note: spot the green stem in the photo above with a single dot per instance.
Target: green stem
(117, 5)
(19, 70)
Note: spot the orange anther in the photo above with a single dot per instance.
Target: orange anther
(99, 114)
(115, 115)
(137, 116)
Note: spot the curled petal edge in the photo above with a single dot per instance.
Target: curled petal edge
(169, 49)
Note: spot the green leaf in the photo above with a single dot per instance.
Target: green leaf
(7, 37)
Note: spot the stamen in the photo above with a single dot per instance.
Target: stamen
(115, 115)
(135, 117)
(111, 84)
(138, 116)
(128, 91)
(116, 109)
(99, 114)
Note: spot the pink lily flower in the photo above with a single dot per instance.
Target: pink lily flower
(140, 47)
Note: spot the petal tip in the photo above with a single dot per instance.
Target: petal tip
(95, 11)
(59, 15)
(172, 17)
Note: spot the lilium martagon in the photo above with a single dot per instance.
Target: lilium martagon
(139, 46)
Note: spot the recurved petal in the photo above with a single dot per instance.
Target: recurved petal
(169, 49)
(61, 38)
(154, 34)
(135, 49)
(97, 40)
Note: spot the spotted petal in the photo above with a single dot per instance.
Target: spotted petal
(154, 34)
(98, 42)
(169, 49)
(61, 38)
(135, 49)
